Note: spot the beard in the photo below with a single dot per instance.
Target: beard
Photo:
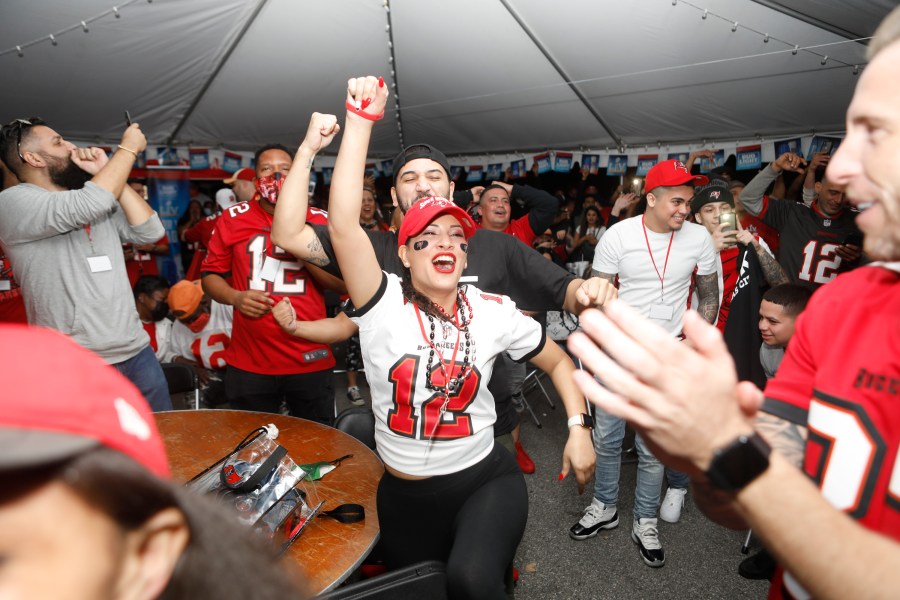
(66, 174)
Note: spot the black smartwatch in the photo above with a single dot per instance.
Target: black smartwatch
(739, 463)
(583, 419)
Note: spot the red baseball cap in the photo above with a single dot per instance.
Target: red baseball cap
(670, 173)
(242, 174)
(428, 209)
(60, 400)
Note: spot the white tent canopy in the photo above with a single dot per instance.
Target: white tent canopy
(470, 76)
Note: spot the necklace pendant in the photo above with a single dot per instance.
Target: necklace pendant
(445, 329)
(827, 223)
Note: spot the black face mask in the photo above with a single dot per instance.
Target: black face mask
(160, 311)
(70, 176)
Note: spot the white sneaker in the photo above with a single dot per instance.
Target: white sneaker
(355, 397)
(597, 516)
(646, 536)
(670, 509)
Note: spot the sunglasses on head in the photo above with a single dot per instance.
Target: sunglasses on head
(19, 125)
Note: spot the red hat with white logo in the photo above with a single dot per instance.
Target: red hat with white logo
(671, 173)
(60, 400)
(243, 174)
(428, 209)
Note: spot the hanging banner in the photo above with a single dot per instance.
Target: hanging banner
(326, 175)
(591, 162)
(679, 156)
(231, 162)
(455, 173)
(169, 191)
(543, 162)
(199, 158)
(789, 145)
(372, 171)
(617, 165)
(476, 174)
(821, 143)
(517, 168)
(494, 172)
(718, 160)
(645, 163)
(386, 167)
(563, 163)
(749, 158)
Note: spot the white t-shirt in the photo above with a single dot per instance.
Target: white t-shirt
(623, 251)
(410, 434)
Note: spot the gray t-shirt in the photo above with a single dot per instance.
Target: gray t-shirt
(770, 357)
(49, 237)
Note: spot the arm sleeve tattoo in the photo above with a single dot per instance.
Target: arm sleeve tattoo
(708, 291)
(786, 437)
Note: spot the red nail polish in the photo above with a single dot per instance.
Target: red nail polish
(560, 477)
(366, 102)
(380, 81)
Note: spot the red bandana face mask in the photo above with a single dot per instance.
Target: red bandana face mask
(269, 187)
(199, 323)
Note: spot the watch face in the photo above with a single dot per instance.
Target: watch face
(739, 463)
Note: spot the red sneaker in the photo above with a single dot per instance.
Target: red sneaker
(525, 462)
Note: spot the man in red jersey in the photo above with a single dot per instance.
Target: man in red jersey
(267, 367)
(835, 526)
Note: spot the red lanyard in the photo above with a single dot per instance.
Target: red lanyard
(662, 278)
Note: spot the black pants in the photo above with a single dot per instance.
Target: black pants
(473, 520)
(308, 395)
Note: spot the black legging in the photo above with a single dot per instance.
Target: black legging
(473, 520)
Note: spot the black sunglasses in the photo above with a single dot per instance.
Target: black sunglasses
(20, 125)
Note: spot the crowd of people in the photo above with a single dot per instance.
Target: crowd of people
(705, 280)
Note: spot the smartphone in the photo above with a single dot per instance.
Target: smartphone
(127, 119)
(854, 239)
(730, 220)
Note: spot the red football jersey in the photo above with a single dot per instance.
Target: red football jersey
(238, 248)
(143, 263)
(199, 235)
(521, 228)
(841, 379)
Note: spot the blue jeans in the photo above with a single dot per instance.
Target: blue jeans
(145, 373)
(609, 432)
(677, 479)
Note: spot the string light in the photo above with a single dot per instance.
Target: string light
(83, 24)
(734, 27)
(766, 39)
(824, 60)
(705, 14)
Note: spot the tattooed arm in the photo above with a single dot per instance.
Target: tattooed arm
(708, 291)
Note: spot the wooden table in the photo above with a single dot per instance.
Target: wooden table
(327, 551)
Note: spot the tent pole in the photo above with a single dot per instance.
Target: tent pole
(212, 77)
(562, 73)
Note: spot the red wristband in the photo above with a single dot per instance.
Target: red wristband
(364, 115)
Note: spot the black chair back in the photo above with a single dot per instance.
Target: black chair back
(358, 421)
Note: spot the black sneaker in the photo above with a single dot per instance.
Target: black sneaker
(646, 536)
(759, 566)
(597, 516)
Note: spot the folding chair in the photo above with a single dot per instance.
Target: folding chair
(532, 381)
(182, 378)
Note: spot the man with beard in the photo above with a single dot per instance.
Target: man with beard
(831, 408)
(62, 228)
